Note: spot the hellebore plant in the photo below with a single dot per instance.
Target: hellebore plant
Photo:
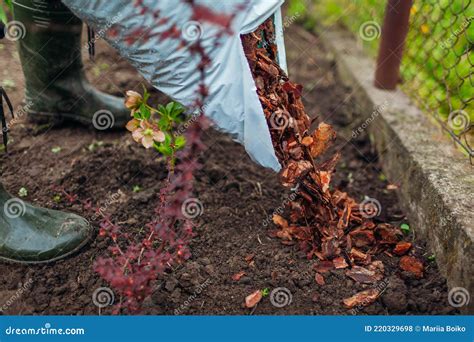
(154, 127)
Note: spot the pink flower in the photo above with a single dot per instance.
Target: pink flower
(133, 100)
(145, 133)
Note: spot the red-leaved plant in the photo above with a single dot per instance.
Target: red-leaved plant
(132, 266)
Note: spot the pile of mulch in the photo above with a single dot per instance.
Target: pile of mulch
(239, 200)
(326, 223)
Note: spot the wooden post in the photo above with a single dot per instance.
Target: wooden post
(394, 32)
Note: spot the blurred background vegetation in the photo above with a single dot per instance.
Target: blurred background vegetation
(437, 68)
(4, 7)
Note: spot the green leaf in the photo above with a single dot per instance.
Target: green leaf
(180, 142)
(168, 139)
(8, 84)
(169, 107)
(3, 12)
(405, 228)
(144, 111)
(165, 147)
(137, 188)
(3, 15)
(56, 149)
(162, 109)
(22, 192)
(163, 123)
(92, 147)
(146, 94)
(165, 150)
(177, 110)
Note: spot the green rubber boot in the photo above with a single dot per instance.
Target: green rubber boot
(30, 234)
(57, 89)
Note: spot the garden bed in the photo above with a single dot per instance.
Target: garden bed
(238, 197)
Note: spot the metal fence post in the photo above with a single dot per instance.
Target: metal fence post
(394, 32)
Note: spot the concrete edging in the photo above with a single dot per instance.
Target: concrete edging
(436, 181)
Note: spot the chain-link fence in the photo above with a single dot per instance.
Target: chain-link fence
(437, 66)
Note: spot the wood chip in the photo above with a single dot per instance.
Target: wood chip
(323, 136)
(412, 265)
(360, 256)
(324, 266)
(402, 248)
(319, 279)
(253, 299)
(388, 234)
(237, 276)
(249, 257)
(362, 237)
(279, 221)
(307, 141)
(363, 275)
(340, 262)
(363, 298)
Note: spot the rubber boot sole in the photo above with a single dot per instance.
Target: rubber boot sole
(49, 261)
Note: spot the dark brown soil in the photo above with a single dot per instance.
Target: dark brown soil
(238, 197)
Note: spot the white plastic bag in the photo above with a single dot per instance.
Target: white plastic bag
(232, 103)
